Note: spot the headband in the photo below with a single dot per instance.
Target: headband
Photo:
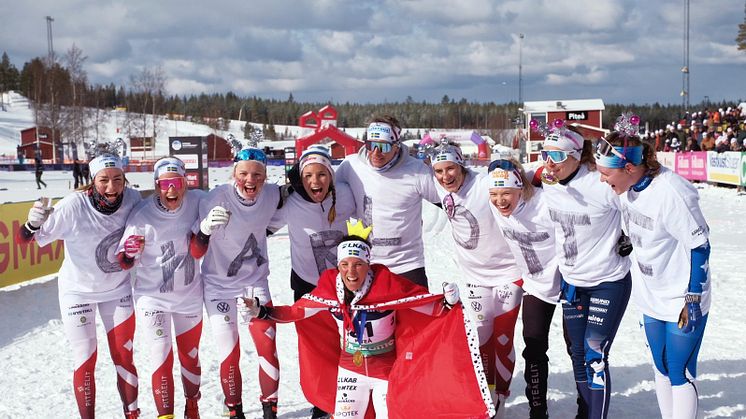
(383, 132)
(558, 135)
(501, 178)
(353, 248)
(316, 154)
(447, 152)
(168, 165)
(104, 161)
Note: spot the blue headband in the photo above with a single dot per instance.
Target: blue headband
(632, 154)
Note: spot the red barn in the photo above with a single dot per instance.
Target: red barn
(49, 144)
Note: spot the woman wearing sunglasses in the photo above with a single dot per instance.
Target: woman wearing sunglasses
(521, 213)
(91, 222)
(235, 265)
(489, 270)
(389, 186)
(168, 287)
(670, 261)
(596, 280)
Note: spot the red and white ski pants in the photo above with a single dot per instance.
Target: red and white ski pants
(355, 390)
(224, 323)
(155, 326)
(495, 312)
(79, 323)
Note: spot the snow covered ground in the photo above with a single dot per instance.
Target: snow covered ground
(36, 362)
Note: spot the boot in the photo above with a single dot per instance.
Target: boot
(132, 414)
(582, 408)
(270, 409)
(236, 411)
(191, 410)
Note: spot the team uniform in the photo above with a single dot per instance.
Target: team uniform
(91, 280)
(665, 224)
(391, 200)
(530, 235)
(490, 275)
(168, 291)
(236, 265)
(313, 239)
(587, 220)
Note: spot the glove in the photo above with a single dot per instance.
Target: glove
(39, 213)
(567, 293)
(691, 314)
(450, 293)
(249, 308)
(133, 246)
(624, 245)
(218, 216)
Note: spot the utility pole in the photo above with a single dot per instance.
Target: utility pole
(50, 44)
(520, 70)
(685, 67)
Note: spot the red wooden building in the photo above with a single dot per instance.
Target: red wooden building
(45, 141)
(324, 131)
(218, 148)
(585, 114)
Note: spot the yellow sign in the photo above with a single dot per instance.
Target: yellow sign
(23, 261)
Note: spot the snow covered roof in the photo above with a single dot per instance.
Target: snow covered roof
(564, 105)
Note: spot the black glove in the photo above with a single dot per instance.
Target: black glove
(624, 245)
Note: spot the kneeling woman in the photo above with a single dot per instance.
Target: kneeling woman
(367, 304)
(670, 259)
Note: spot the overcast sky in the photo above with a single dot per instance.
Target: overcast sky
(624, 51)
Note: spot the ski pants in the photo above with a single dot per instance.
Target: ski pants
(675, 360)
(591, 323)
(537, 319)
(158, 337)
(495, 313)
(79, 324)
(224, 322)
(354, 391)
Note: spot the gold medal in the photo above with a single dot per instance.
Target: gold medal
(357, 358)
(548, 178)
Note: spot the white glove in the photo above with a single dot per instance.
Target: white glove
(39, 213)
(450, 293)
(248, 308)
(218, 216)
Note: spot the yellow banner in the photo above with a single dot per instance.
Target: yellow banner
(23, 261)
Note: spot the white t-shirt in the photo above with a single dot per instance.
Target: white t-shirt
(664, 223)
(167, 277)
(313, 241)
(392, 202)
(481, 250)
(90, 268)
(587, 222)
(237, 254)
(530, 235)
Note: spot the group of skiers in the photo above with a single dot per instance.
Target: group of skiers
(370, 332)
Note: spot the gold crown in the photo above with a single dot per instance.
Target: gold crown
(355, 227)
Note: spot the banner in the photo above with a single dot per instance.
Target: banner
(692, 165)
(667, 159)
(743, 169)
(724, 167)
(22, 262)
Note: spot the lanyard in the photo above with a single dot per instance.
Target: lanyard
(359, 322)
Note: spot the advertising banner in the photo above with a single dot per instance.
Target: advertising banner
(667, 159)
(692, 165)
(20, 262)
(724, 167)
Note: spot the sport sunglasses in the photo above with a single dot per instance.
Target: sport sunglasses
(557, 156)
(166, 184)
(248, 154)
(501, 164)
(604, 148)
(382, 146)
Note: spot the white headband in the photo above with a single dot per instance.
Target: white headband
(104, 161)
(353, 248)
(500, 178)
(565, 139)
(383, 132)
(168, 165)
(448, 153)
